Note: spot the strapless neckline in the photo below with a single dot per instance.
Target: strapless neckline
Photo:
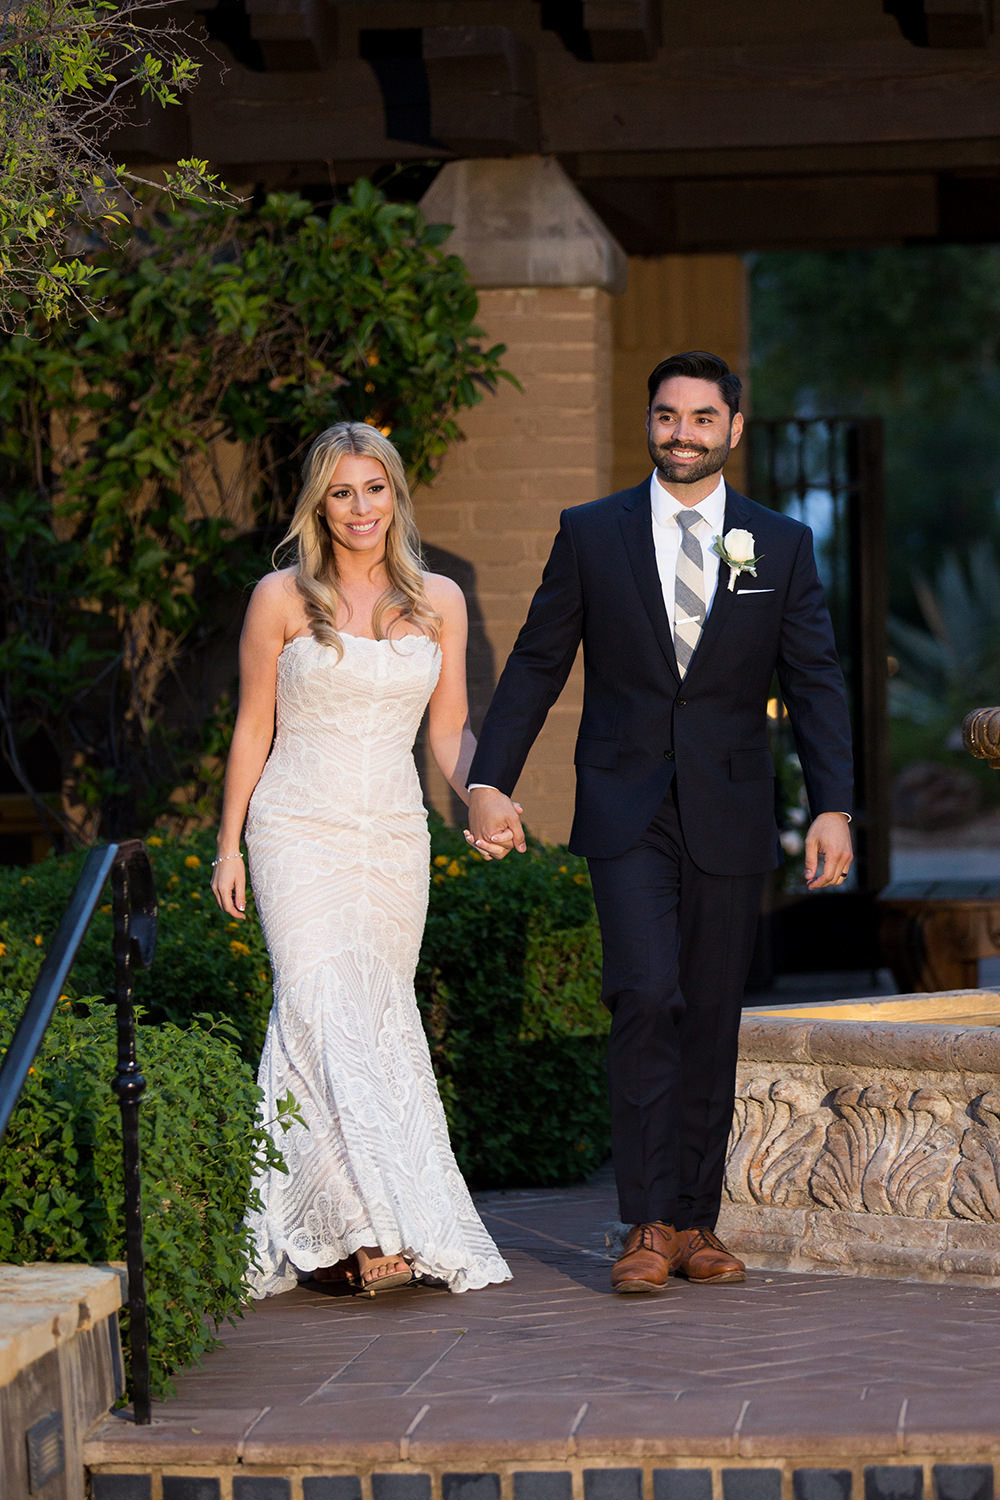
(345, 635)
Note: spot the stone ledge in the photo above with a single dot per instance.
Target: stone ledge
(859, 1244)
(43, 1306)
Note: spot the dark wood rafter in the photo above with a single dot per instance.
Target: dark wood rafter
(481, 81)
(944, 23)
(839, 123)
(294, 36)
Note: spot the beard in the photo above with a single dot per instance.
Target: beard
(710, 462)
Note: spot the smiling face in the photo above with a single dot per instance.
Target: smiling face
(690, 433)
(358, 505)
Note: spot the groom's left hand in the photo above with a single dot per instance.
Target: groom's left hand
(829, 851)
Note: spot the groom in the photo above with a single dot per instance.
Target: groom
(687, 598)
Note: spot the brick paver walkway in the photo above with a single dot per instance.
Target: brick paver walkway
(786, 1369)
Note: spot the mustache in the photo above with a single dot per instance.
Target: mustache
(681, 447)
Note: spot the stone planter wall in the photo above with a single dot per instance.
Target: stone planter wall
(866, 1141)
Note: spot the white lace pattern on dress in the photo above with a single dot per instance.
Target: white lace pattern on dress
(339, 853)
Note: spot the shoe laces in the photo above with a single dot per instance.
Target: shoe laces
(705, 1239)
(648, 1235)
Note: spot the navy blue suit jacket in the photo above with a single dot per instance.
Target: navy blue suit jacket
(641, 725)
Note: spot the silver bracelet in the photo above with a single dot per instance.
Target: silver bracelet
(223, 857)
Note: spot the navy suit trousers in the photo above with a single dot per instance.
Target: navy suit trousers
(677, 949)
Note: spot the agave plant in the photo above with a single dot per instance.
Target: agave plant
(953, 665)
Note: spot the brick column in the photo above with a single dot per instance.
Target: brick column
(546, 270)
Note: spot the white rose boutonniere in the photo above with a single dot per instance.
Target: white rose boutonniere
(736, 550)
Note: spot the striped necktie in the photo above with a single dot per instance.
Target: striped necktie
(689, 590)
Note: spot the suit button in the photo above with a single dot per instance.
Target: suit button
(682, 703)
(668, 755)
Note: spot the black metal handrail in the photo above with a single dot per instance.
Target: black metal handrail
(134, 914)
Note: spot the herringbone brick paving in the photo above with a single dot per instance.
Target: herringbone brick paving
(784, 1364)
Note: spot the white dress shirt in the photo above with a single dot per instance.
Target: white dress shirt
(667, 539)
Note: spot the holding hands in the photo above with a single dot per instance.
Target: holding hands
(494, 823)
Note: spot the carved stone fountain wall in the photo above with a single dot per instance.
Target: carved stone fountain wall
(867, 1142)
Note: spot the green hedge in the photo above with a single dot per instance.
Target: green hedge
(204, 963)
(61, 1191)
(508, 983)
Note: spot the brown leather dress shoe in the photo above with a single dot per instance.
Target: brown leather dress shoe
(644, 1264)
(700, 1255)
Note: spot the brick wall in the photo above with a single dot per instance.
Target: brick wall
(489, 518)
(574, 433)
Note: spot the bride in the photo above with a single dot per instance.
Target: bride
(340, 655)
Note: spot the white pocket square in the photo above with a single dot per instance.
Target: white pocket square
(755, 591)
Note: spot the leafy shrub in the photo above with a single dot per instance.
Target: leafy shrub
(204, 963)
(61, 1176)
(138, 448)
(508, 984)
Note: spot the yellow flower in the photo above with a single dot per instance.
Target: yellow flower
(154, 841)
(106, 908)
(173, 906)
(563, 870)
(454, 868)
(196, 895)
(3, 950)
(440, 860)
(27, 880)
(438, 878)
(174, 880)
(238, 949)
(579, 880)
(372, 358)
(192, 862)
(38, 939)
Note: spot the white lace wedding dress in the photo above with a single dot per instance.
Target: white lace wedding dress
(339, 855)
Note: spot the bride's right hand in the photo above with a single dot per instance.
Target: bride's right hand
(229, 886)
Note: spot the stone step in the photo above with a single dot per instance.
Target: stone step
(499, 1450)
(60, 1371)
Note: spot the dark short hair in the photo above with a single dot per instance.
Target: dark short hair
(697, 365)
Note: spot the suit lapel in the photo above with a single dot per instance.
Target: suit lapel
(636, 522)
(736, 515)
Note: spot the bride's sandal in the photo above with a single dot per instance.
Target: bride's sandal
(374, 1276)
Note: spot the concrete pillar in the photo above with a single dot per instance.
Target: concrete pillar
(547, 271)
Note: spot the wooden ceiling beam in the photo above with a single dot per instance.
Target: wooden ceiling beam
(294, 36)
(943, 23)
(622, 30)
(481, 81)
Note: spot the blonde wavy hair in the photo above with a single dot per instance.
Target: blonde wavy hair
(315, 566)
